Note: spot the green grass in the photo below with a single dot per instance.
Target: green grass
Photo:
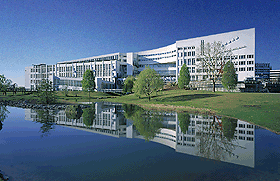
(61, 98)
(81, 96)
(257, 108)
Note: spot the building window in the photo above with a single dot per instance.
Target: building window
(242, 69)
(250, 62)
(250, 132)
(242, 63)
(193, 61)
(193, 69)
(250, 139)
(242, 137)
(250, 56)
(241, 131)
(241, 125)
(241, 56)
(189, 61)
(250, 126)
(250, 68)
(193, 53)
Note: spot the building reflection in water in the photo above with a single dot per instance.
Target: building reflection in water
(212, 137)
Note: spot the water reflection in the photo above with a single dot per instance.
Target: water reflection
(3, 115)
(223, 139)
(46, 118)
(148, 123)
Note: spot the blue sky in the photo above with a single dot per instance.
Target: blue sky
(33, 32)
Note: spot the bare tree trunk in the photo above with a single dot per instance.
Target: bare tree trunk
(214, 86)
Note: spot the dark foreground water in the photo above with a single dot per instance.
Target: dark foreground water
(128, 143)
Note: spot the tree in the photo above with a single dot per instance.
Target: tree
(45, 92)
(147, 82)
(184, 122)
(88, 116)
(184, 78)
(212, 144)
(212, 57)
(229, 78)
(47, 119)
(128, 84)
(4, 84)
(73, 111)
(65, 90)
(229, 126)
(88, 82)
(3, 115)
(22, 89)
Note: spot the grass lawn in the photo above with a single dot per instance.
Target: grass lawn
(72, 98)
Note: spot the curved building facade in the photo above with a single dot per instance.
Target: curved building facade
(111, 69)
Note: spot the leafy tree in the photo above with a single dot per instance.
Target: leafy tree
(65, 90)
(88, 116)
(22, 89)
(184, 78)
(229, 125)
(3, 115)
(128, 84)
(147, 82)
(212, 59)
(88, 82)
(47, 119)
(45, 92)
(184, 121)
(147, 123)
(229, 78)
(4, 84)
(130, 110)
(73, 111)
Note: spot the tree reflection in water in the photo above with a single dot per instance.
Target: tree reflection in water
(148, 123)
(3, 115)
(89, 116)
(184, 121)
(217, 139)
(47, 119)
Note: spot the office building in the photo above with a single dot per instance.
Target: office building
(112, 69)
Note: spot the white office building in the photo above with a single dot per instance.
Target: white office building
(111, 69)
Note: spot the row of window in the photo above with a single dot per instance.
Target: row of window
(160, 65)
(186, 48)
(244, 126)
(243, 69)
(151, 59)
(186, 54)
(190, 61)
(248, 132)
(164, 53)
(244, 138)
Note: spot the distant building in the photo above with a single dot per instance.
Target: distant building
(263, 71)
(111, 69)
(275, 75)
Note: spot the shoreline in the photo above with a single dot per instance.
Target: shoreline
(255, 108)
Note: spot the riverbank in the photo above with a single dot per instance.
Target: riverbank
(257, 108)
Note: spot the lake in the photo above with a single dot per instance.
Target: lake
(111, 141)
